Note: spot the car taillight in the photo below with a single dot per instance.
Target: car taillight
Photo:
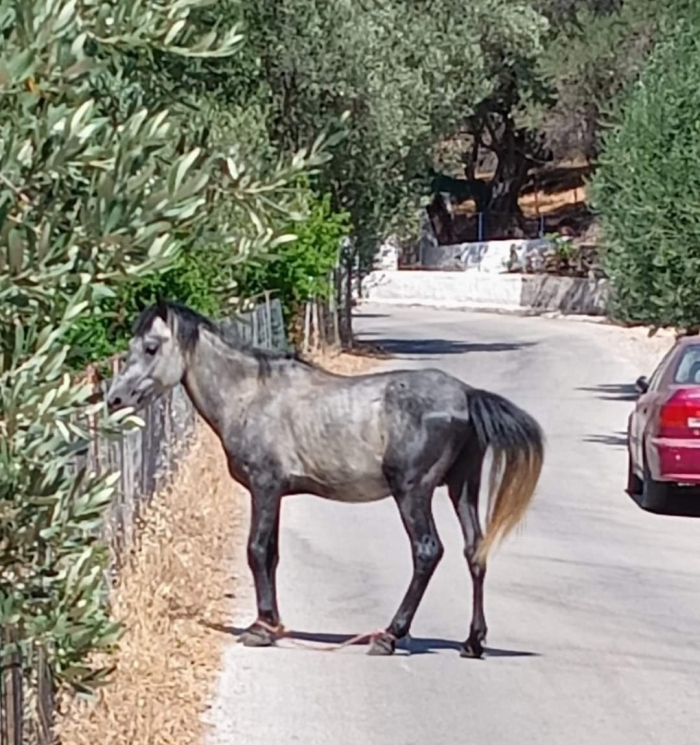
(680, 415)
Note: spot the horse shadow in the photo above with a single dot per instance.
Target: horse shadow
(413, 645)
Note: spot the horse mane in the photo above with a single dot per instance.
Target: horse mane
(188, 327)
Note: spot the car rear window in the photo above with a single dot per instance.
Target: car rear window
(688, 370)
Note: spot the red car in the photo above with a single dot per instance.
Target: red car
(663, 431)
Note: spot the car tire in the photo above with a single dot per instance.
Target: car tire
(655, 495)
(635, 485)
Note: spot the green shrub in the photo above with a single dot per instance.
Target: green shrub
(299, 270)
(194, 278)
(206, 280)
(647, 188)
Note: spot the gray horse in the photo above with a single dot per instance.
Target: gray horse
(289, 427)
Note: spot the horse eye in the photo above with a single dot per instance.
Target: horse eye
(151, 349)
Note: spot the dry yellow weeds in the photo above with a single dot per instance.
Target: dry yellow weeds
(173, 594)
(347, 363)
(180, 577)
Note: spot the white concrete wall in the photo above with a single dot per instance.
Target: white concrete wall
(475, 289)
(486, 256)
(388, 255)
(444, 289)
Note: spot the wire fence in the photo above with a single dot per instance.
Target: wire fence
(561, 245)
(453, 228)
(486, 226)
(147, 460)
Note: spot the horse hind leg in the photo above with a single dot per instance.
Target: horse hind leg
(463, 488)
(415, 508)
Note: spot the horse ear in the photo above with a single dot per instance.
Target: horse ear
(162, 308)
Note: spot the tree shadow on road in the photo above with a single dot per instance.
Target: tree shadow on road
(436, 347)
(364, 314)
(613, 391)
(412, 646)
(616, 439)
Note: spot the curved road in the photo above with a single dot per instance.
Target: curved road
(593, 609)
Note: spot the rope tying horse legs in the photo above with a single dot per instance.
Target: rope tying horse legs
(281, 633)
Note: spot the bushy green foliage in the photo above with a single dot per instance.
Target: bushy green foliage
(595, 51)
(103, 179)
(409, 74)
(647, 188)
(301, 270)
(194, 277)
(207, 280)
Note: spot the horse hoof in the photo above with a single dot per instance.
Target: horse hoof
(256, 636)
(383, 645)
(472, 649)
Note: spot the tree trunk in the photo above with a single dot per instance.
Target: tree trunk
(591, 136)
(441, 220)
(505, 215)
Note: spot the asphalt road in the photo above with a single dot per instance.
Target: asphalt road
(593, 609)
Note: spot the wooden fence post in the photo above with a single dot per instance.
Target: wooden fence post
(307, 326)
(333, 306)
(317, 325)
(268, 314)
(44, 700)
(11, 698)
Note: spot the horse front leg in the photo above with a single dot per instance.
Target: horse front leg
(263, 558)
(415, 508)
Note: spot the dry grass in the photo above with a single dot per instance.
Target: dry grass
(537, 203)
(361, 360)
(173, 595)
(179, 579)
(542, 203)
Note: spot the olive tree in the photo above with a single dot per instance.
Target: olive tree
(97, 187)
(408, 74)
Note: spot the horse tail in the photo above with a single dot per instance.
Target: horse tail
(517, 442)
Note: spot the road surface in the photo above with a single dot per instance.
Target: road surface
(593, 609)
